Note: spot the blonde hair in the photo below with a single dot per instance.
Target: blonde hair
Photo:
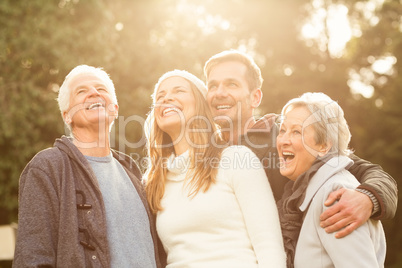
(201, 174)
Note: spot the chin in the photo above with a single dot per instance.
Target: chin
(223, 123)
(171, 127)
(287, 174)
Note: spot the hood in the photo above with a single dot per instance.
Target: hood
(65, 144)
(333, 166)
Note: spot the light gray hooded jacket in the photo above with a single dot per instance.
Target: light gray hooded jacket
(365, 247)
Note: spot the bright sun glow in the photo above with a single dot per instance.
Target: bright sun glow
(361, 82)
(338, 28)
(384, 65)
(329, 27)
(329, 24)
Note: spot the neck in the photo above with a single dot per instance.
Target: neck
(91, 143)
(179, 141)
(233, 134)
(181, 147)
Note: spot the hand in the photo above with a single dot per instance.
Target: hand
(352, 210)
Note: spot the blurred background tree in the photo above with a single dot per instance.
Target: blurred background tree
(351, 50)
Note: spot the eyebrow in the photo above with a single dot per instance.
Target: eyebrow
(160, 92)
(230, 79)
(291, 124)
(96, 85)
(176, 87)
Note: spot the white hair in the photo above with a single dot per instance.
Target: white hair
(63, 98)
(330, 124)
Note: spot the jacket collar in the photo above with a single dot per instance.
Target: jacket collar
(264, 124)
(333, 166)
(66, 145)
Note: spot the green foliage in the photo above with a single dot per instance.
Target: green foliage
(40, 43)
(379, 128)
(136, 41)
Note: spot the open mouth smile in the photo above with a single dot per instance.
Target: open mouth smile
(95, 105)
(223, 107)
(170, 111)
(288, 156)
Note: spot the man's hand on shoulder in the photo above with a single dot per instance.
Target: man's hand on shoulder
(353, 209)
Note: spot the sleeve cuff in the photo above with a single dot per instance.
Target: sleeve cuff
(376, 205)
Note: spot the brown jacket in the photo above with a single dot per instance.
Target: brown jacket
(62, 220)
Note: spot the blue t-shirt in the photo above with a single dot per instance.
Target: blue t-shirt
(128, 228)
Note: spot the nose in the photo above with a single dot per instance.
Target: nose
(163, 100)
(221, 91)
(93, 91)
(283, 138)
(168, 97)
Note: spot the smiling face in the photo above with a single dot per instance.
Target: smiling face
(296, 143)
(90, 103)
(229, 96)
(175, 105)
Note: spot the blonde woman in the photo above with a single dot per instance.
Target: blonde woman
(214, 206)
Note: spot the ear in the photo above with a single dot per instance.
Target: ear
(67, 118)
(324, 149)
(256, 97)
(115, 111)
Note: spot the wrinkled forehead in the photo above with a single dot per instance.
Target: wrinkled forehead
(227, 70)
(298, 115)
(86, 79)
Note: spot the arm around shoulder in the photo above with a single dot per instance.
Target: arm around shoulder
(374, 179)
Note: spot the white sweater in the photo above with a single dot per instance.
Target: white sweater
(234, 224)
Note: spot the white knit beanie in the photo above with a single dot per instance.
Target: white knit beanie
(186, 75)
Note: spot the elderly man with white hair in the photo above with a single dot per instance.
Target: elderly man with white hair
(81, 203)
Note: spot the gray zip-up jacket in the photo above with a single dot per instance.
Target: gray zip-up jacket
(62, 221)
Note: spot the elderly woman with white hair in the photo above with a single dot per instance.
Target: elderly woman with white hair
(81, 203)
(313, 148)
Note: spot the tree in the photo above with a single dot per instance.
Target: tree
(378, 53)
(136, 41)
(39, 42)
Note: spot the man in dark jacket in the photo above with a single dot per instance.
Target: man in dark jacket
(82, 204)
(234, 90)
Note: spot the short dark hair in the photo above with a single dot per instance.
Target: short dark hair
(253, 73)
